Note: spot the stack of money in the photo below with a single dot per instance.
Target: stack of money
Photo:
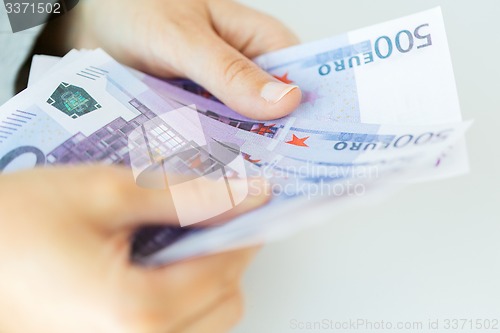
(379, 110)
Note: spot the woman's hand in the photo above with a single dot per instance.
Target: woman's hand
(65, 266)
(208, 41)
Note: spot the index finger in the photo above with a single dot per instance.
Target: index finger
(248, 30)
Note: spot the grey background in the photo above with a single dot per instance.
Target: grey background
(13, 50)
(429, 252)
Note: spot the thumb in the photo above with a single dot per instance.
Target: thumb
(120, 203)
(237, 81)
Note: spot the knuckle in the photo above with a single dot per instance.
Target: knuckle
(237, 68)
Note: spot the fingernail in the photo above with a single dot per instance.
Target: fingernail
(273, 92)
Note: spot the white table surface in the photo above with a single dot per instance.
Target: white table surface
(432, 251)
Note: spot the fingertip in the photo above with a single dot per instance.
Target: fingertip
(274, 100)
(277, 100)
(285, 104)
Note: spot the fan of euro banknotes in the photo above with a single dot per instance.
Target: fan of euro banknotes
(379, 110)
